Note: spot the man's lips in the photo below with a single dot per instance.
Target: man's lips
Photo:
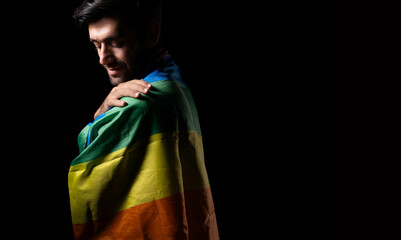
(114, 69)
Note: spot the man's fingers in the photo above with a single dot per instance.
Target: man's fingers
(140, 82)
(132, 88)
(115, 103)
(136, 86)
(113, 100)
(107, 104)
(125, 92)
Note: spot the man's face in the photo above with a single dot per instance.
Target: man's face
(118, 48)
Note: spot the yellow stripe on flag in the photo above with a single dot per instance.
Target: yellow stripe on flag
(153, 168)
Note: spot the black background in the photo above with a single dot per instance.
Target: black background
(368, 73)
(262, 77)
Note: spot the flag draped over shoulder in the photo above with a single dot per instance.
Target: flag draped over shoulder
(141, 173)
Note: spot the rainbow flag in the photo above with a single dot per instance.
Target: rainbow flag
(140, 173)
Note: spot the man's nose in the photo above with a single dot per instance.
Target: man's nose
(105, 55)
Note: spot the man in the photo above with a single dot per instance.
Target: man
(140, 173)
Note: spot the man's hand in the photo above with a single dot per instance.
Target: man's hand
(132, 88)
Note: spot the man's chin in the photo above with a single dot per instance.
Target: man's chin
(116, 80)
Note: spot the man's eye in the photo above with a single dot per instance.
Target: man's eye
(117, 44)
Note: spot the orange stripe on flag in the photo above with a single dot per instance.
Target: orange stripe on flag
(188, 215)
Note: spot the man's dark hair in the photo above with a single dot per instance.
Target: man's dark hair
(137, 13)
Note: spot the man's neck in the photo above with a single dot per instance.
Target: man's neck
(156, 60)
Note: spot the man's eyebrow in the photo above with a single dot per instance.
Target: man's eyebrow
(109, 38)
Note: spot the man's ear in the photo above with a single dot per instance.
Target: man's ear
(153, 33)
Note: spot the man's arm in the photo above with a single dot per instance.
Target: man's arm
(132, 88)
